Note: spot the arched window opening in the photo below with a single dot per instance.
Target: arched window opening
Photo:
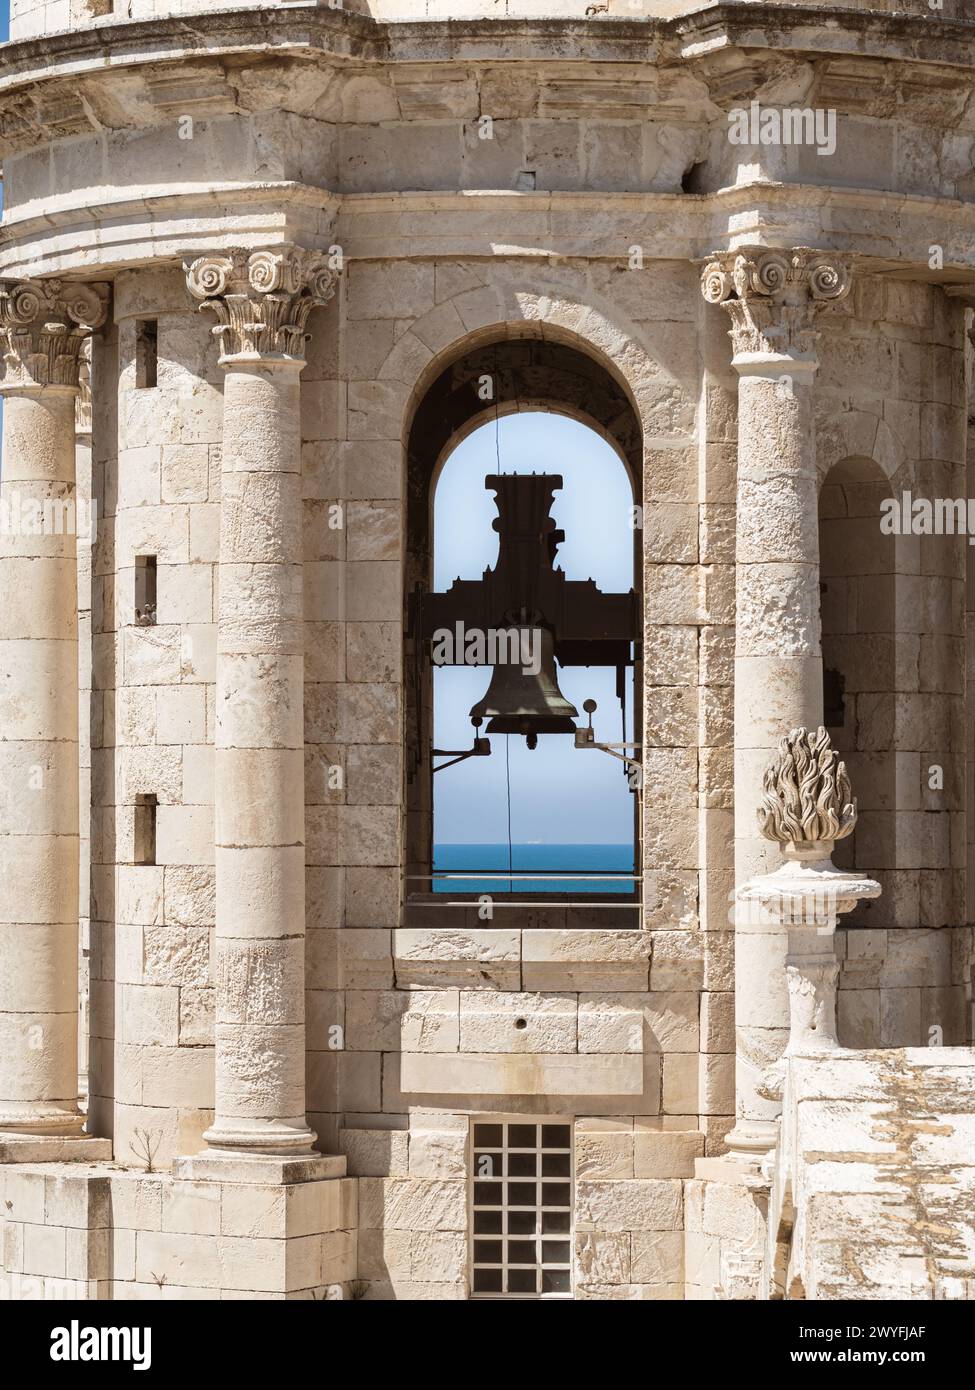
(524, 646)
(860, 668)
(539, 805)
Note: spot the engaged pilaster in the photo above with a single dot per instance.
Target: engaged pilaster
(772, 298)
(43, 325)
(262, 301)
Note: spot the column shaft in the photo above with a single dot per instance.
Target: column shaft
(259, 769)
(39, 755)
(43, 325)
(778, 687)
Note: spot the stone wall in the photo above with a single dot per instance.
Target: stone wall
(582, 220)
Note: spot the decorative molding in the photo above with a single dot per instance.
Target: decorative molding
(807, 798)
(772, 297)
(43, 324)
(262, 299)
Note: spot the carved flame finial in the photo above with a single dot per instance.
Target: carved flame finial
(808, 797)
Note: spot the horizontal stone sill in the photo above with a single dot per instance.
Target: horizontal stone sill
(508, 957)
(521, 1074)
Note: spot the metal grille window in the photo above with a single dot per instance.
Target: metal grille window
(522, 1209)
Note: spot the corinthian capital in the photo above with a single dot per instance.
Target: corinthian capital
(262, 299)
(43, 324)
(773, 296)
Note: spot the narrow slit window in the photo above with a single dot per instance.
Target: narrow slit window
(146, 805)
(145, 590)
(521, 1206)
(146, 352)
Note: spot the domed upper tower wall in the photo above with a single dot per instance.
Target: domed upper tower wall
(29, 18)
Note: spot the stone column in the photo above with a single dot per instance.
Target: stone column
(262, 301)
(771, 297)
(42, 327)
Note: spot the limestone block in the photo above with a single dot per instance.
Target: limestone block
(716, 1083)
(634, 1022)
(184, 473)
(184, 835)
(634, 1205)
(339, 1257)
(680, 1084)
(376, 1152)
(373, 775)
(438, 1153)
(702, 1260)
(372, 897)
(444, 956)
(658, 1257)
(382, 291)
(196, 1017)
(191, 1207)
(149, 1015)
(363, 960)
(45, 1250)
(138, 895)
(493, 1021)
(176, 955)
(385, 1255)
(673, 658)
(189, 895)
(533, 1074)
(411, 1204)
(137, 1201)
(604, 1155)
(612, 960)
(662, 1154)
(181, 715)
(198, 771)
(678, 961)
(151, 655)
(602, 1257)
(438, 1257)
(731, 1212)
(718, 1022)
(198, 653)
(178, 1077)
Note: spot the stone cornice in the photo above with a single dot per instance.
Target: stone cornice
(102, 238)
(43, 324)
(49, 85)
(261, 299)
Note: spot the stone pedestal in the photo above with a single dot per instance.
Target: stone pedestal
(772, 298)
(42, 328)
(804, 898)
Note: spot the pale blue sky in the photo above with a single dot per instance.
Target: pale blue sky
(560, 794)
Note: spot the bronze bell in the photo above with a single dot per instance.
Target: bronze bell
(526, 701)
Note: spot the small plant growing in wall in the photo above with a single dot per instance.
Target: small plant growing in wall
(145, 1146)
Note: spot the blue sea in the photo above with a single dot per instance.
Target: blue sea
(551, 863)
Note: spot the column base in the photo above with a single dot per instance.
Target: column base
(751, 1140)
(54, 1148)
(271, 1139)
(262, 1169)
